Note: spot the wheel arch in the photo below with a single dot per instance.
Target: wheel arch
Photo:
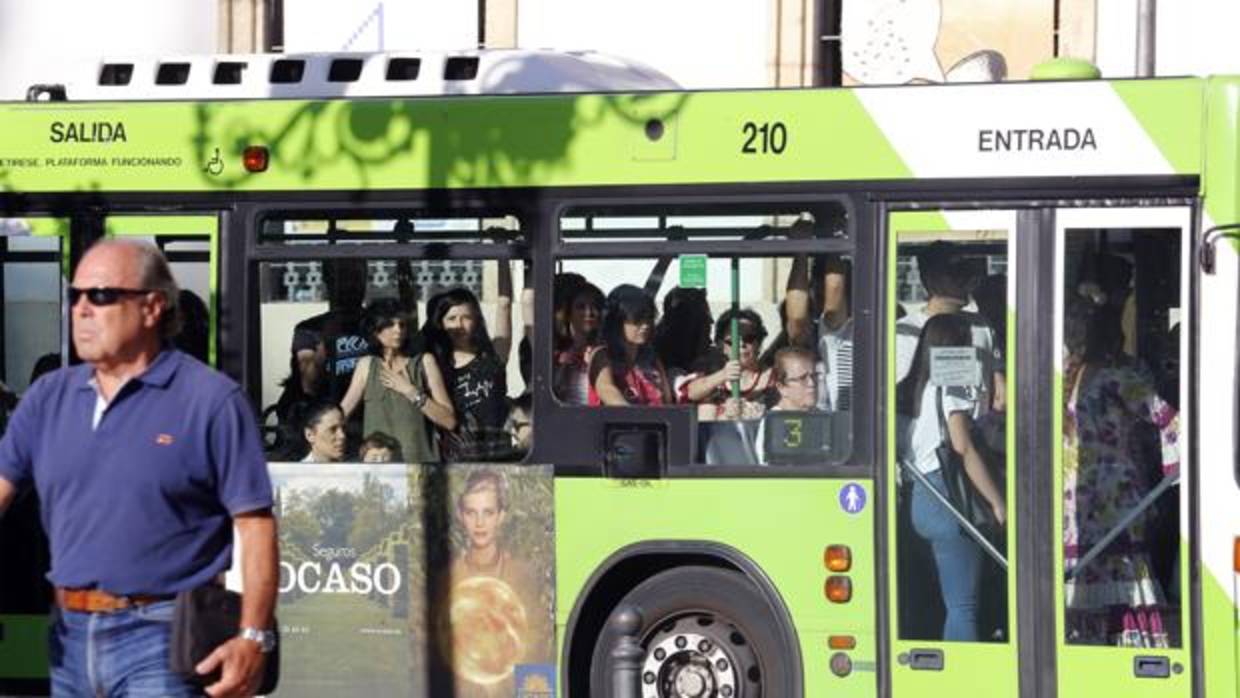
(631, 565)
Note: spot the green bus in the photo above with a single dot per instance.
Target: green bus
(1040, 263)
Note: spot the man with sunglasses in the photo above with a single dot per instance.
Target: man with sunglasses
(144, 460)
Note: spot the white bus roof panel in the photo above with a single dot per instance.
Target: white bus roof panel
(318, 75)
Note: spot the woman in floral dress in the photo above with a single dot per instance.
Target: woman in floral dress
(1116, 599)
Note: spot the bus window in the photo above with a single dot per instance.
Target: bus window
(1121, 437)
(399, 359)
(32, 317)
(758, 345)
(950, 366)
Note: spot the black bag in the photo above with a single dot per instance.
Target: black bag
(206, 618)
(961, 492)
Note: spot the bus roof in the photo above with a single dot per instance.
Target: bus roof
(389, 74)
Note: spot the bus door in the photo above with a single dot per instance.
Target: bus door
(950, 377)
(1034, 377)
(32, 263)
(1120, 452)
(191, 244)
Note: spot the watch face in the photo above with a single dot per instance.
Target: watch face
(266, 639)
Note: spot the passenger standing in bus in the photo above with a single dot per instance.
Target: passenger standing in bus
(711, 385)
(626, 371)
(474, 372)
(399, 393)
(300, 390)
(324, 434)
(145, 462)
(946, 280)
(1116, 599)
(958, 559)
(340, 327)
(817, 313)
(683, 336)
(575, 346)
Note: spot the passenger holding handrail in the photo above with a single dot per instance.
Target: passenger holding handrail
(711, 386)
(626, 370)
(957, 558)
(400, 392)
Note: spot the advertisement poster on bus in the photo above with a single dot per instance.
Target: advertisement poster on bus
(416, 580)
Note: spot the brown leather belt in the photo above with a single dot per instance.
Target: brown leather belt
(99, 601)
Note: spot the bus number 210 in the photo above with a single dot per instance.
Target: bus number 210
(766, 138)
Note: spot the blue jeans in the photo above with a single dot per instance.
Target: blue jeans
(115, 654)
(957, 557)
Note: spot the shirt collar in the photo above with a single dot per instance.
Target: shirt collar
(157, 375)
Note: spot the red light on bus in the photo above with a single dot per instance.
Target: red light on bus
(842, 642)
(837, 558)
(839, 589)
(255, 158)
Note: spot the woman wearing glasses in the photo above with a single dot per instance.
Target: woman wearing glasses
(711, 385)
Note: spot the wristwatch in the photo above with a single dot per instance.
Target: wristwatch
(266, 639)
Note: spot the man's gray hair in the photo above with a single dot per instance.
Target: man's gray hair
(155, 275)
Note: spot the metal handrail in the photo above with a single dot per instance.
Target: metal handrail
(1146, 502)
(964, 522)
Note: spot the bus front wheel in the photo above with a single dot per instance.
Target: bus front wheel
(705, 632)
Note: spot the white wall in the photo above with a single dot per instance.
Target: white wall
(41, 40)
(701, 44)
(379, 25)
(1194, 37)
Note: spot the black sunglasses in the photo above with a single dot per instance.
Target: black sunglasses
(103, 295)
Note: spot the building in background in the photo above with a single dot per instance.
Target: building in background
(702, 44)
(40, 41)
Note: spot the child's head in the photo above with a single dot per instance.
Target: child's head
(379, 447)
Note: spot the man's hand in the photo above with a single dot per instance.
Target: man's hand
(242, 662)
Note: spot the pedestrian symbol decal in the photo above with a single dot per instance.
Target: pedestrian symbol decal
(852, 498)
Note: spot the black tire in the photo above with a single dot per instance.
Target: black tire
(687, 605)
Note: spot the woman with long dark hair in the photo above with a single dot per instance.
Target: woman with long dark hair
(575, 346)
(626, 371)
(400, 392)
(918, 402)
(474, 371)
(1110, 399)
(682, 337)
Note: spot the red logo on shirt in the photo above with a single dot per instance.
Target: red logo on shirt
(163, 439)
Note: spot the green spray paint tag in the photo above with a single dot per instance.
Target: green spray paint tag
(692, 271)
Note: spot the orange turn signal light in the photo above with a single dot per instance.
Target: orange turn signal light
(1235, 555)
(839, 589)
(255, 158)
(837, 558)
(842, 642)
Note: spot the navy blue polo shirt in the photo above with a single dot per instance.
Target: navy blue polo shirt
(143, 502)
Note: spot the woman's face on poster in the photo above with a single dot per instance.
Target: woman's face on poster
(481, 517)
